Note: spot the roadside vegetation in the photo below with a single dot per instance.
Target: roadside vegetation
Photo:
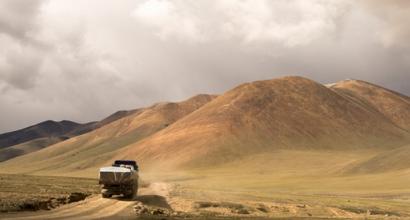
(32, 193)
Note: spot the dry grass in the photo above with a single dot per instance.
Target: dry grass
(294, 183)
(286, 184)
(31, 193)
(300, 196)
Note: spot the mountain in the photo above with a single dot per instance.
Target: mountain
(392, 105)
(94, 125)
(94, 148)
(263, 124)
(44, 134)
(265, 116)
(41, 130)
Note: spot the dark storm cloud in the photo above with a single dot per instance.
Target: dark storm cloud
(395, 15)
(20, 61)
(18, 17)
(84, 59)
(394, 33)
(20, 70)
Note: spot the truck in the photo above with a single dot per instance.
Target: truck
(119, 179)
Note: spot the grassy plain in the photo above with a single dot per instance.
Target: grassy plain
(293, 184)
(31, 193)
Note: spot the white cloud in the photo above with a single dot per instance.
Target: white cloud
(84, 59)
(295, 22)
(287, 22)
(170, 18)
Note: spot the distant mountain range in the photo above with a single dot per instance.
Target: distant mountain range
(46, 133)
(254, 120)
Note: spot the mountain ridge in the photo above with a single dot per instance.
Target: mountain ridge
(49, 132)
(99, 143)
(257, 118)
(390, 103)
(40, 130)
(258, 108)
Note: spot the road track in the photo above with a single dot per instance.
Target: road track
(96, 207)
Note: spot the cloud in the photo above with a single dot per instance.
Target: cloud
(18, 17)
(395, 17)
(292, 23)
(20, 57)
(19, 66)
(82, 60)
(171, 19)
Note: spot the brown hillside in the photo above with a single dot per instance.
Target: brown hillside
(96, 146)
(263, 116)
(395, 106)
(290, 114)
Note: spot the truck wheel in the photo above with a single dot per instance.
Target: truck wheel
(131, 195)
(135, 190)
(104, 195)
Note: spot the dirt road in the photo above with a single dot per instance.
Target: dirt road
(96, 207)
(180, 203)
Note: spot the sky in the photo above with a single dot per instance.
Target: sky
(82, 60)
